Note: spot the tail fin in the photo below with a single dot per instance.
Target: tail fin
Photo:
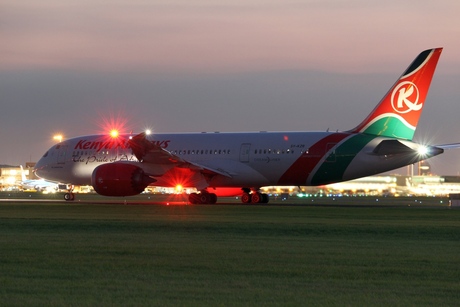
(398, 112)
(23, 174)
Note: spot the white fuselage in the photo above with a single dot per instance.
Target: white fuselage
(247, 159)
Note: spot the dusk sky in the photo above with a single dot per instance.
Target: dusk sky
(198, 65)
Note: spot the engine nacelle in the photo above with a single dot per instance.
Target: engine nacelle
(119, 179)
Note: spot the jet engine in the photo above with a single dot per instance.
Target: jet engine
(119, 179)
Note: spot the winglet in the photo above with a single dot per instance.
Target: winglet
(398, 112)
(145, 150)
(139, 145)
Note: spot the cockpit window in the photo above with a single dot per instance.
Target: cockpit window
(45, 155)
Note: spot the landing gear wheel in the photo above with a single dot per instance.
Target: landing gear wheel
(256, 198)
(202, 198)
(194, 198)
(259, 198)
(213, 199)
(265, 198)
(69, 196)
(246, 198)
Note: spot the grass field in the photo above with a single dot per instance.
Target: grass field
(114, 254)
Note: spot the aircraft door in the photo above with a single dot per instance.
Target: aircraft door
(244, 152)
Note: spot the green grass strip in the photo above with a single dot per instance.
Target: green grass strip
(140, 255)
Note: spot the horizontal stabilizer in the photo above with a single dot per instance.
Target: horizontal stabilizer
(391, 147)
(395, 147)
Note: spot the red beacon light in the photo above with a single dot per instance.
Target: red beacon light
(179, 188)
(114, 133)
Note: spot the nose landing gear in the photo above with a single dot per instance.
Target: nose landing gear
(69, 196)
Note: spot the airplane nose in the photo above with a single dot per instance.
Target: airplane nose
(40, 168)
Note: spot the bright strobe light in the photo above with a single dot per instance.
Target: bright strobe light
(114, 133)
(58, 137)
(422, 150)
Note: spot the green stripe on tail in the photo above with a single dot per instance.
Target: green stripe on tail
(333, 168)
(392, 127)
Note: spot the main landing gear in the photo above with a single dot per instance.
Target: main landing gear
(204, 197)
(249, 197)
(254, 198)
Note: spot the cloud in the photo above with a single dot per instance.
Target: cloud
(208, 37)
(205, 65)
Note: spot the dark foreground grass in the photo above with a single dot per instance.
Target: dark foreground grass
(58, 255)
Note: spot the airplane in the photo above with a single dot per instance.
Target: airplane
(219, 163)
(34, 184)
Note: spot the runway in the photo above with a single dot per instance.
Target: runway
(182, 200)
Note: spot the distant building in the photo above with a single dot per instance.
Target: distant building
(424, 168)
(9, 177)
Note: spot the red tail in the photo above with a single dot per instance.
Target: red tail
(398, 112)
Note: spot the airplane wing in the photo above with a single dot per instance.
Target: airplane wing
(150, 153)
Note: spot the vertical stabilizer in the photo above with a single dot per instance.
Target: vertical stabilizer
(23, 174)
(398, 112)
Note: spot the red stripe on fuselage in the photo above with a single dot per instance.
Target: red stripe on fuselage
(299, 171)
